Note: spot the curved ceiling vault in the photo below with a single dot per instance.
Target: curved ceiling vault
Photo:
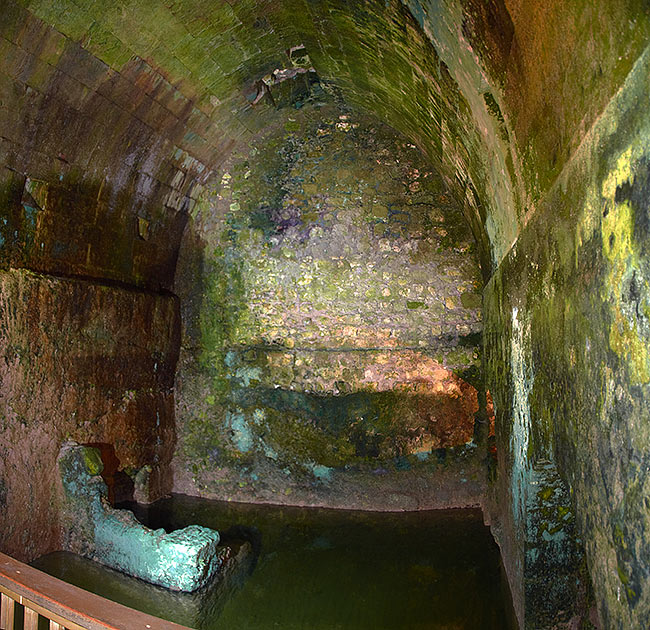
(114, 118)
(158, 93)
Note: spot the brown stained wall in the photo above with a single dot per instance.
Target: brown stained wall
(81, 362)
(542, 56)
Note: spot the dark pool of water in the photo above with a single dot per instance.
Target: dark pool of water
(316, 569)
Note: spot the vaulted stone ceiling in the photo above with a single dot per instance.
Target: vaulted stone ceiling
(143, 99)
(114, 116)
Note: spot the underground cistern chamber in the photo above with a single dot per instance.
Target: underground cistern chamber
(325, 314)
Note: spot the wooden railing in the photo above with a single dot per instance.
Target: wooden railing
(65, 606)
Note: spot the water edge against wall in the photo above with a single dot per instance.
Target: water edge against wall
(323, 569)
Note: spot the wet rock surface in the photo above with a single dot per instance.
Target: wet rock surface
(183, 560)
(188, 609)
(86, 362)
(567, 328)
(331, 318)
(113, 117)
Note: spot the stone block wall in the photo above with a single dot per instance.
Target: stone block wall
(113, 116)
(332, 321)
(85, 362)
(95, 178)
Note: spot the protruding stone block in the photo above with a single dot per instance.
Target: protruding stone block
(183, 560)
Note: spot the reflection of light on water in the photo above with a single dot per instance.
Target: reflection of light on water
(318, 569)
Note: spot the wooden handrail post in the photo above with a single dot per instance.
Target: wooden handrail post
(64, 605)
(31, 619)
(6, 612)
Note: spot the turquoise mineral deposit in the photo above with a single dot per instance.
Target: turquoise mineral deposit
(183, 560)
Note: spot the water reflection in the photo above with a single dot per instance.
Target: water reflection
(315, 569)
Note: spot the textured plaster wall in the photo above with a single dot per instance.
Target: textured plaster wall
(84, 362)
(578, 282)
(331, 319)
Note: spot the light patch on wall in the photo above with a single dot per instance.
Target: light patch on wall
(520, 437)
(143, 229)
(248, 375)
(322, 473)
(620, 248)
(242, 436)
(34, 201)
(38, 191)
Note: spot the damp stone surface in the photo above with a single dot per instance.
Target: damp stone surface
(161, 195)
(332, 321)
(183, 560)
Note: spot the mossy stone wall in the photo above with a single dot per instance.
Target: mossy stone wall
(331, 315)
(576, 285)
(113, 115)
